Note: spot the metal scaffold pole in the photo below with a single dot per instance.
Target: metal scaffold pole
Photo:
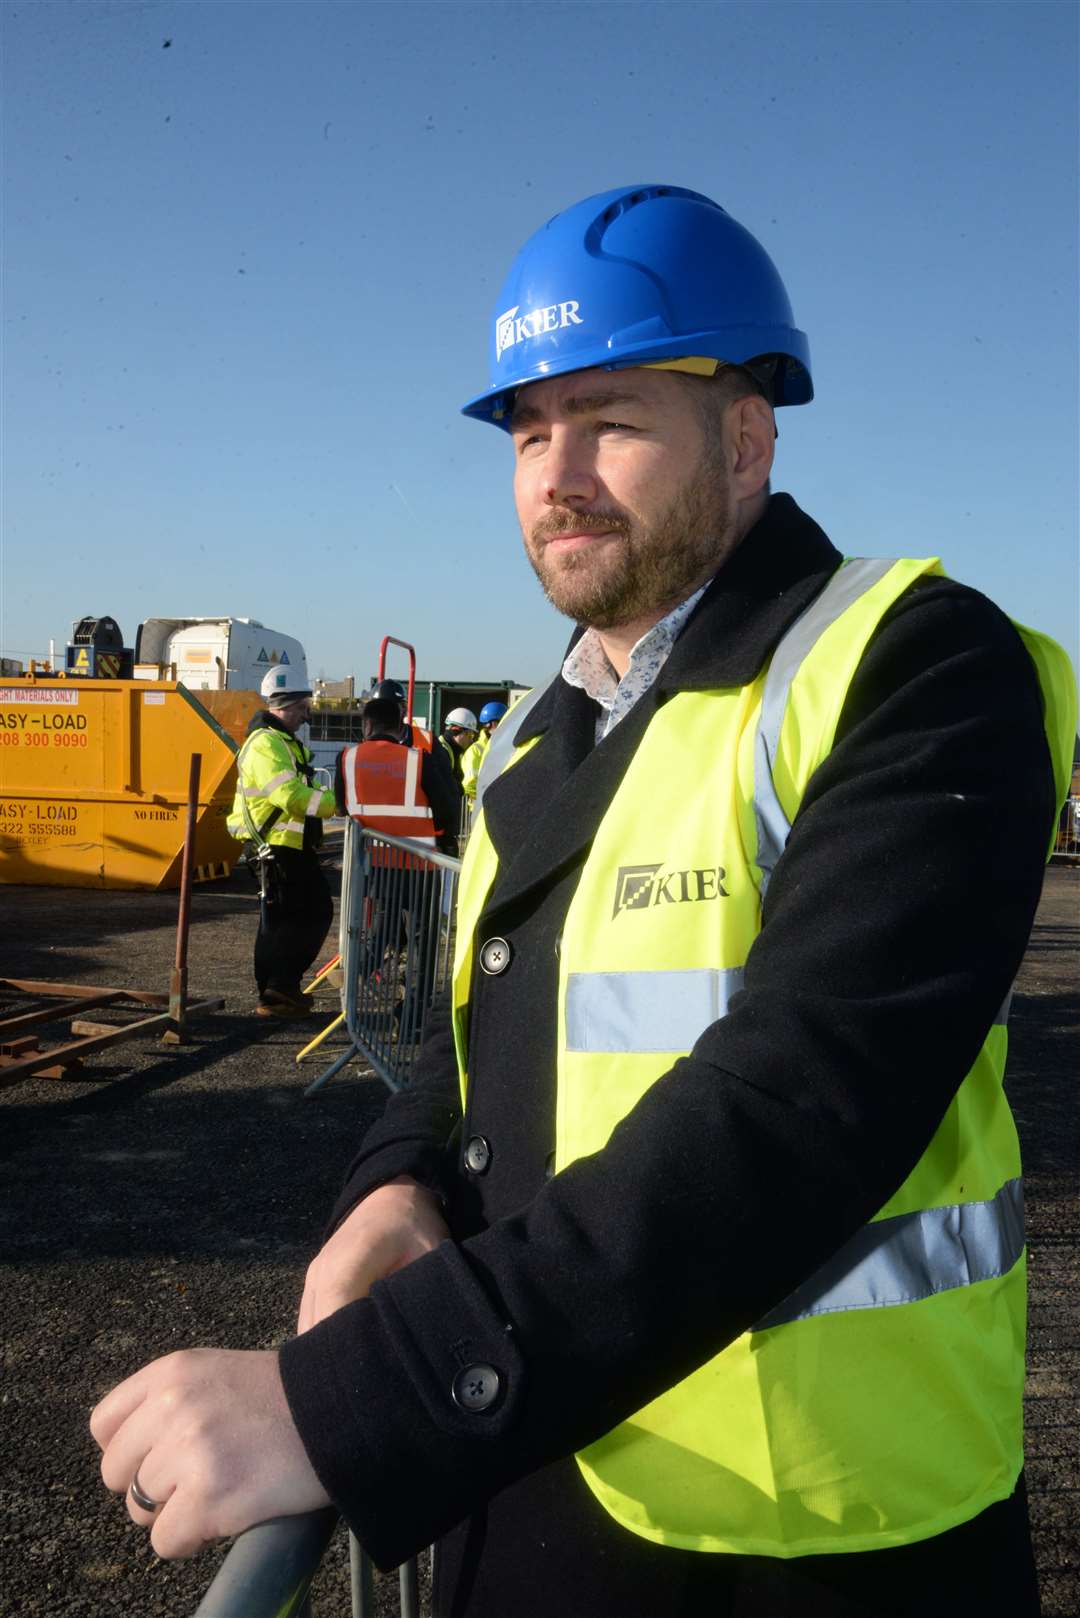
(176, 1033)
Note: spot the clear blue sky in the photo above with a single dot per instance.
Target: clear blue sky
(249, 276)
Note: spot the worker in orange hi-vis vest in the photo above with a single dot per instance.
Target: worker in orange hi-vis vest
(394, 788)
(403, 791)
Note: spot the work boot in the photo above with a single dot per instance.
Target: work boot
(284, 1004)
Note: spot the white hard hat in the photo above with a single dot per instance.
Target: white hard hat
(462, 717)
(283, 683)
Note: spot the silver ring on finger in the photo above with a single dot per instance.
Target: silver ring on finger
(141, 1498)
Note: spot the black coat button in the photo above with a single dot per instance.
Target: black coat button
(477, 1155)
(495, 957)
(476, 1387)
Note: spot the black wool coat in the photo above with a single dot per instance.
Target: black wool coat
(892, 929)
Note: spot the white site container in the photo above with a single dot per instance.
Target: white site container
(213, 654)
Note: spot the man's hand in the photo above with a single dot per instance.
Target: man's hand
(393, 1225)
(209, 1433)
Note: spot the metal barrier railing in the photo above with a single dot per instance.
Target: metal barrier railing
(465, 822)
(1067, 841)
(269, 1571)
(396, 940)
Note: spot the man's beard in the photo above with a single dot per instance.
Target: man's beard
(637, 569)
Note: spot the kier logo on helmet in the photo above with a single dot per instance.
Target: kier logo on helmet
(512, 328)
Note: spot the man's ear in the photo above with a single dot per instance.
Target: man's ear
(752, 442)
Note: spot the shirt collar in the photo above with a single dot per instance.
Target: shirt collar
(588, 668)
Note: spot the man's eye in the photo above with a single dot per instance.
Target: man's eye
(528, 442)
(616, 427)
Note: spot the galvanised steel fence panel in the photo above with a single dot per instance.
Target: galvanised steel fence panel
(1067, 842)
(396, 945)
(396, 942)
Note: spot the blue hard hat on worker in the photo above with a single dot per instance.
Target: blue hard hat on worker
(492, 712)
(644, 275)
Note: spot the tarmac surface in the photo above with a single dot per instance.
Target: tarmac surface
(166, 1197)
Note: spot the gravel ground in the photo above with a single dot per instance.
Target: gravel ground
(166, 1197)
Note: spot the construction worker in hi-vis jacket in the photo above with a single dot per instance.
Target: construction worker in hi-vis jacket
(279, 810)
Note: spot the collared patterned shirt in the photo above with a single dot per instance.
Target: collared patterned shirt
(588, 668)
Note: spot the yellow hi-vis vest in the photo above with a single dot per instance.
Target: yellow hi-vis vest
(272, 775)
(472, 761)
(881, 1402)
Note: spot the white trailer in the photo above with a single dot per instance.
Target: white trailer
(213, 654)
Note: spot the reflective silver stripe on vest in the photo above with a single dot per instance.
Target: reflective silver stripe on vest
(645, 1011)
(502, 742)
(913, 1256)
(847, 584)
(274, 781)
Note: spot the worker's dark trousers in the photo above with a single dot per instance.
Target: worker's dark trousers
(293, 922)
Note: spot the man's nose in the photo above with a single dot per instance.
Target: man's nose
(568, 473)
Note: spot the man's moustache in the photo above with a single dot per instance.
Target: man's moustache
(579, 522)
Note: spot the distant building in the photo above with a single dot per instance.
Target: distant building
(336, 690)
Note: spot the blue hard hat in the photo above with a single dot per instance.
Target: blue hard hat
(391, 690)
(636, 276)
(491, 712)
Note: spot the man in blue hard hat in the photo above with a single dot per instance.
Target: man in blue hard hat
(491, 715)
(687, 1275)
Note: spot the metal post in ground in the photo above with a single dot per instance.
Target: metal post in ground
(361, 1580)
(176, 1033)
(409, 1587)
